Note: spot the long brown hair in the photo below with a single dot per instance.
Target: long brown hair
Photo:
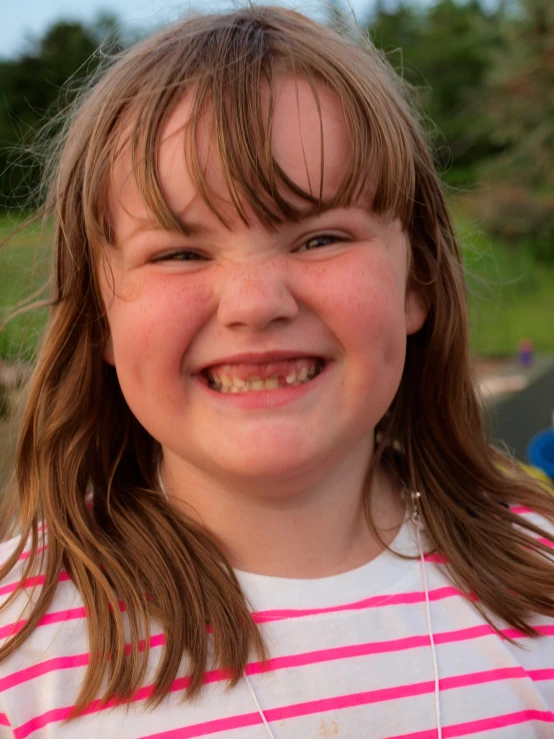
(78, 435)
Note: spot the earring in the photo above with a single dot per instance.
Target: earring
(416, 509)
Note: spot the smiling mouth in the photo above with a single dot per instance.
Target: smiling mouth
(247, 378)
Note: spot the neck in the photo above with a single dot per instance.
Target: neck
(293, 530)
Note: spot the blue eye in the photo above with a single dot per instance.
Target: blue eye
(317, 241)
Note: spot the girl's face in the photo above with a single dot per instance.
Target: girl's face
(254, 355)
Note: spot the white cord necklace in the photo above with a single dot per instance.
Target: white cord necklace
(418, 523)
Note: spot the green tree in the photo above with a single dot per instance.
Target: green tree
(519, 95)
(445, 51)
(34, 85)
(519, 105)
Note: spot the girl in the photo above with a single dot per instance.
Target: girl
(254, 497)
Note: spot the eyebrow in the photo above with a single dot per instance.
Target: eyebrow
(186, 228)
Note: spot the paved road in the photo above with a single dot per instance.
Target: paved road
(516, 418)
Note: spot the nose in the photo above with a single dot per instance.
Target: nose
(256, 297)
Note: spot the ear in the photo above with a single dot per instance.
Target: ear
(415, 309)
(108, 352)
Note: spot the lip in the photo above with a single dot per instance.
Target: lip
(266, 399)
(259, 358)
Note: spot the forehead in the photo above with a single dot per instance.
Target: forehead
(308, 138)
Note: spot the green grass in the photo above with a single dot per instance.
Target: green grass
(23, 270)
(512, 297)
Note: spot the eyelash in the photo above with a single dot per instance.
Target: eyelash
(192, 256)
(330, 238)
(184, 255)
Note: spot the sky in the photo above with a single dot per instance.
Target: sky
(22, 19)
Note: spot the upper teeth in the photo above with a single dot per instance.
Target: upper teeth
(228, 384)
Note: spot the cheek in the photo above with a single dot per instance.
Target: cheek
(363, 302)
(154, 323)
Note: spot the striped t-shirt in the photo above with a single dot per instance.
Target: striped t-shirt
(350, 658)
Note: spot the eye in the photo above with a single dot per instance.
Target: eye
(316, 242)
(184, 255)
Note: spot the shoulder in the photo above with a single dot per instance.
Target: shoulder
(7, 548)
(17, 574)
(18, 585)
(59, 631)
(38, 666)
(537, 520)
(21, 587)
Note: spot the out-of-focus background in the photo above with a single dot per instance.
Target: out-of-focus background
(484, 74)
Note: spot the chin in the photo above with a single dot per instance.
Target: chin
(268, 466)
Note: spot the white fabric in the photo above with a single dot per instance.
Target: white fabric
(351, 659)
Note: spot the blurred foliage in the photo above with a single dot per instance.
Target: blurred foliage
(445, 52)
(519, 102)
(486, 79)
(484, 73)
(38, 84)
(511, 292)
(519, 96)
(516, 214)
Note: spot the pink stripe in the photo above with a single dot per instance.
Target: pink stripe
(277, 714)
(50, 618)
(55, 617)
(278, 663)
(210, 727)
(485, 724)
(393, 645)
(538, 675)
(480, 678)
(207, 727)
(30, 582)
(27, 554)
(436, 558)
(39, 722)
(382, 647)
(270, 616)
(42, 668)
(62, 663)
(547, 542)
(158, 640)
(4, 720)
(340, 702)
(521, 510)
(544, 630)
(498, 722)
(373, 602)
(386, 694)
(254, 668)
